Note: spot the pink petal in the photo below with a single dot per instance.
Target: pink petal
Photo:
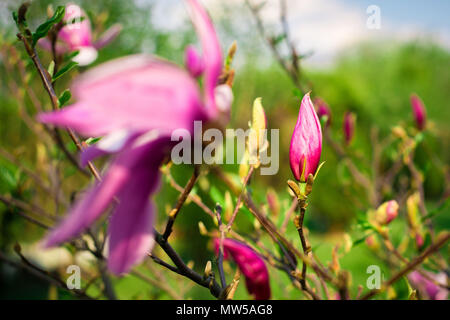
(88, 209)
(306, 141)
(77, 34)
(349, 126)
(131, 225)
(419, 112)
(137, 92)
(251, 265)
(193, 62)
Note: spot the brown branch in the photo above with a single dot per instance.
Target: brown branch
(48, 86)
(184, 270)
(440, 241)
(42, 274)
(239, 200)
(181, 200)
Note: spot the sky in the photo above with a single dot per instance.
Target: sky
(328, 27)
(324, 28)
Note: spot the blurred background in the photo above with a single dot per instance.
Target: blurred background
(371, 72)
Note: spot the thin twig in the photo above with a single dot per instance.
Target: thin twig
(440, 241)
(181, 200)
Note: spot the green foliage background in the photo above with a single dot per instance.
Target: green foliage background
(375, 81)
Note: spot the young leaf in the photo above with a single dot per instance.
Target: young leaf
(91, 140)
(44, 28)
(64, 70)
(64, 97)
(51, 68)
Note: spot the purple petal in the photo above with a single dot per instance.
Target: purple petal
(349, 127)
(306, 142)
(112, 143)
(88, 209)
(131, 225)
(427, 287)
(108, 36)
(212, 55)
(193, 62)
(251, 265)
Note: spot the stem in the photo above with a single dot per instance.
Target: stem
(181, 200)
(38, 272)
(184, 270)
(298, 221)
(222, 238)
(239, 200)
(46, 81)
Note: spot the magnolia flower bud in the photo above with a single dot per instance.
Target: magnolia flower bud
(371, 242)
(419, 112)
(193, 61)
(323, 110)
(387, 212)
(273, 202)
(259, 121)
(306, 142)
(251, 265)
(349, 127)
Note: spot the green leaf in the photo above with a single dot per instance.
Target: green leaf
(44, 28)
(51, 68)
(8, 181)
(91, 140)
(16, 18)
(64, 97)
(359, 241)
(64, 70)
(216, 195)
(71, 55)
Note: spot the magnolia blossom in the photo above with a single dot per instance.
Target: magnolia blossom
(323, 110)
(429, 288)
(306, 142)
(76, 35)
(250, 264)
(419, 111)
(136, 103)
(349, 127)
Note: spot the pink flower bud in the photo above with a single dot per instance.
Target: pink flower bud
(387, 212)
(323, 110)
(419, 240)
(349, 126)
(251, 265)
(306, 142)
(76, 35)
(419, 112)
(193, 61)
